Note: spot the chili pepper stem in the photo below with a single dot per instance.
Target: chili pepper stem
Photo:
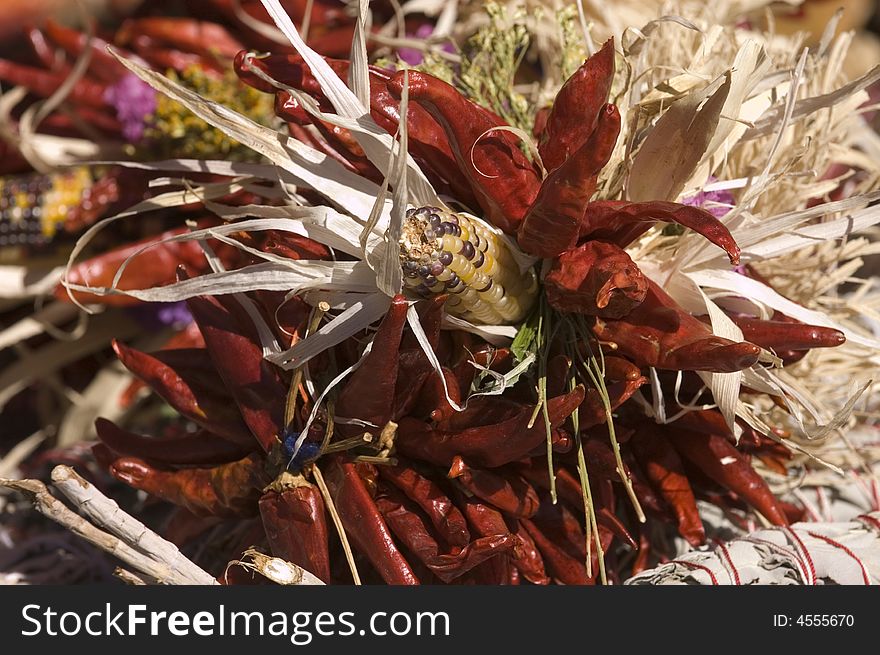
(314, 322)
(331, 507)
(589, 510)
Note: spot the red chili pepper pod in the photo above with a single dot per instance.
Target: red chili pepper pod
(44, 83)
(486, 445)
(624, 222)
(482, 410)
(254, 383)
(527, 558)
(102, 65)
(483, 153)
(562, 566)
(446, 518)
(618, 369)
(410, 527)
(187, 381)
(199, 449)
(296, 527)
(496, 359)
(606, 518)
(432, 397)
(659, 333)
(508, 493)
(785, 335)
(368, 394)
(575, 111)
(592, 410)
(187, 34)
(226, 490)
(159, 56)
(364, 524)
(155, 267)
(595, 278)
(665, 471)
(722, 462)
(553, 221)
(484, 520)
(568, 487)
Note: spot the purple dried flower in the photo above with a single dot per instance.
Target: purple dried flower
(159, 315)
(134, 101)
(414, 57)
(719, 201)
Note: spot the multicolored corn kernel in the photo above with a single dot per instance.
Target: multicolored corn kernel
(32, 207)
(453, 253)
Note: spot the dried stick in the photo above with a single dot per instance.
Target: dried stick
(105, 513)
(99, 505)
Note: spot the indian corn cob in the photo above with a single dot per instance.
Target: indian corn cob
(446, 252)
(32, 207)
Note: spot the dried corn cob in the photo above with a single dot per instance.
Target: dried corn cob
(33, 206)
(446, 252)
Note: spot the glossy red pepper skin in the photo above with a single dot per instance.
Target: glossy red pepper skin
(411, 528)
(445, 517)
(575, 111)
(623, 222)
(785, 335)
(364, 524)
(296, 526)
(187, 381)
(199, 449)
(719, 460)
(663, 467)
(155, 267)
(659, 333)
(527, 558)
(427, 141)
(562, 566)
(369, 392)
(102, 65)
(482, 152)
(226, 490)
(201, 37)
(507, 492)
(595, 278)
(487, 445)
(254, 383)
(552, 223)
(44, 83)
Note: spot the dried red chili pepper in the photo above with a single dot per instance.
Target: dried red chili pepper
(187, 381)
(575, 111)
(595, 278)
(156, 266)
(785, 335)
(508, 493)
(446, 518)
(369, 393)
(254, 383)
(296, 525)
(411, 529)
(226, 490)
(487, 445)
(364, 524)
(664, 469)
(719, 460)
(482, 151)
(526, 557)
(551, 225)
(659, 333)
(623, 222)
(198, 449)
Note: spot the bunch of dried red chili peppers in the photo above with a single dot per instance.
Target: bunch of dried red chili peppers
(557, 477)
(522, 486)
